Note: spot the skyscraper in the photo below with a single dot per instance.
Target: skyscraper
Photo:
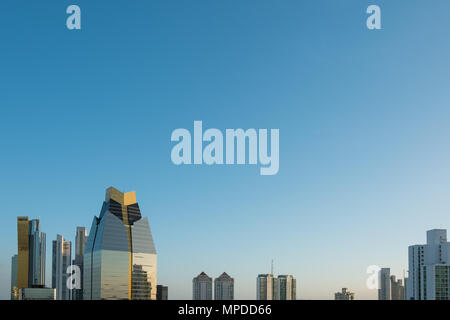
(286, 288)
(120, 256)
(429, 268)
(61, 260)
(269, 287)
(80, 245)
(384, 290)
(23, 255)
(37, 254)
(31, 247)
(14, 289)
(265, 285)
(202, 287)
(397, 289)
(345, 294)
(224, 287)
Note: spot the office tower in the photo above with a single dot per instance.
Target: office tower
(224, 287)
(80, 245)
(384, 290)
(429, 268)
(344, 295)
(162, 292)
(286, 288)
(14, 289)
(61, 260)
(37, 294)
(120, 256)
(202, 287)
(31, 253)
(266, 287)
(37, 255)
(23, 254)
(397, 289)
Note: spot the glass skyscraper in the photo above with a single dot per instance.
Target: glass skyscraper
(120, 256)
(37, 254)
(31, 253)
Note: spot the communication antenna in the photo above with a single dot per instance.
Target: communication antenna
(271, 268)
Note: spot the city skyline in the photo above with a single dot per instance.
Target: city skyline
(107, 249)
(30, 236)
(362, 116)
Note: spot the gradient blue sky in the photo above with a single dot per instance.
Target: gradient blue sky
(363, 117)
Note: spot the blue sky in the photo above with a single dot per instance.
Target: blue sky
(363, 118)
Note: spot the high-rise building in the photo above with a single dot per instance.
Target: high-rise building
(345, 294)
(14, 289)
(23, 255)
(31, 245)
(389, 287)
(61, 260)
(384, 290)
(120, 256)
(286, 288)
(429, 268)
(37, 254)
(269, 287)
(397, 289)
(224, 287)
(265, 285)
(162, 292)
(202, 287)
(80, 245)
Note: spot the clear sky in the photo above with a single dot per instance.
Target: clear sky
(363, 117)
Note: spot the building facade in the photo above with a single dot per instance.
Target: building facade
(61, 260)
(119, 261)
(202, 287)
(428, 265)
(436, 284)
(224, 287)
(80, 246)
(345, 294)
